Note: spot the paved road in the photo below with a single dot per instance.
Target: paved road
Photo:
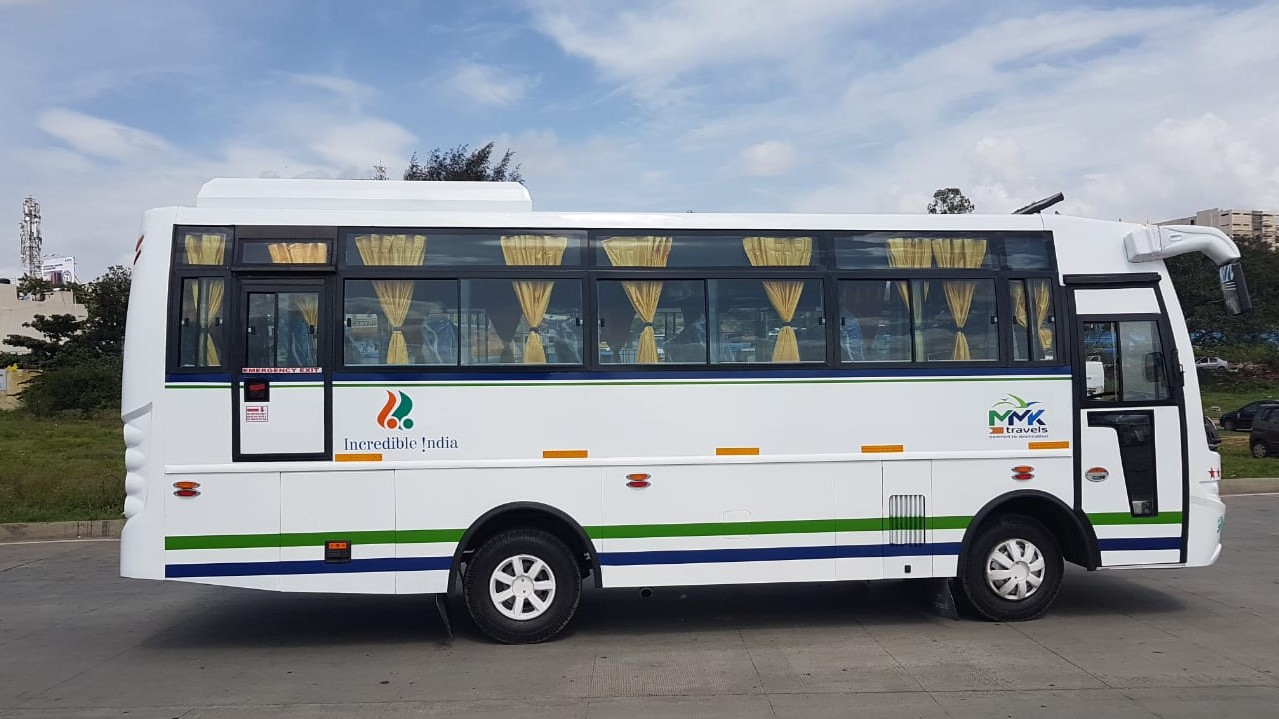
(76, 641)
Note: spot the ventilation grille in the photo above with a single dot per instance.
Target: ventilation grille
(906, 519)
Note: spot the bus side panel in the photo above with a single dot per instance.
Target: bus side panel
(434, 507)
(142, 539)
(320, 507)
(228, 533)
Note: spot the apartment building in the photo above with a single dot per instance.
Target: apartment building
(1236, 223)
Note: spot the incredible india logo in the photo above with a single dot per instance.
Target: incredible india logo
(395, 413)
(1013, 416)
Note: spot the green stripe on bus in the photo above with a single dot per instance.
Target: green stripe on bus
(1126, 518)
(623, 531)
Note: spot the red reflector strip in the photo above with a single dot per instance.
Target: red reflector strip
(1023, 476)
(187, 493)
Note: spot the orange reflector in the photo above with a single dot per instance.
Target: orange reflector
(337, 545)
(186, 485)
(1063, 444)
(564, 454)
(638, 477)
(882, 448)
(368, 457)
(736, 451)
(1023, 469)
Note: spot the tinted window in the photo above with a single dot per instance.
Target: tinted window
(754, 321)
(525, 322)
(465, 248)
(1026, 253)
(914, 250)
(874, 321)
(760, 249)
(652, 321)
(400, 322)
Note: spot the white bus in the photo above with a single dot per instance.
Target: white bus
(390, 387)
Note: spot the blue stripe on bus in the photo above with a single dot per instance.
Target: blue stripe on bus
(1132, 544)
(604, 375)
(258, 569)
(775, 554)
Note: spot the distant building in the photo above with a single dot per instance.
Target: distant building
(14, 312)
(1235, 223)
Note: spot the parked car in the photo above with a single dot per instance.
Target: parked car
(1211, 363)
(1210, 429)
(1242, 417)
(1264, 437)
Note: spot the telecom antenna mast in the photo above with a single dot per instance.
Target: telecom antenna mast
(30, 243)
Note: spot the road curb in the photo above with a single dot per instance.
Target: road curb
(1249, 485)
(110, 528)
(95, 529)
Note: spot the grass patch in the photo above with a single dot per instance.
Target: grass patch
(57, 469)
(1236, 459)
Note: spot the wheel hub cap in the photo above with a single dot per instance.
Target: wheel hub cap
(522, 587)
(1015, 569)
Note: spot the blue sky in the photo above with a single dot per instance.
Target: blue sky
(1136, 110)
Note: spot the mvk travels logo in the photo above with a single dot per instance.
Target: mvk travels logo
(1013, 416)
(395, 413)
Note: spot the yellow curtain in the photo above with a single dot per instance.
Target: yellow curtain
(783, 294)
(393, 296)
(912, 252)
(641, 251)
(1019, 308)
(1043, 303)
(959, 253)
(212, 309)
(534, 295)
(298, 253)
(204, 248)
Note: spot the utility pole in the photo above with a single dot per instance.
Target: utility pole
(30, 243)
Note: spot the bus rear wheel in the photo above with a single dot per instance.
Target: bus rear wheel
(1013, 570)
(522, 586)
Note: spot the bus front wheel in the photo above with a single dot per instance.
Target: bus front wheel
(1013, 570)
(522, 586)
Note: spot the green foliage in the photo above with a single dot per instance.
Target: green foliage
(68, 341)
(66, 468)
(86, 387)
(1195, 278)
(36, 287)
(950, 201)
(460, 163)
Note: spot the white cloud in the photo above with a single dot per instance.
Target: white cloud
(488, 84)
(97, 137)
(353, 92)
(770, 158)
(359, 144)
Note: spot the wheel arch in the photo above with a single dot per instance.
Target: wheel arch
(1074, 534)
(528, 514)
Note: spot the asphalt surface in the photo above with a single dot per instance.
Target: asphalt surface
(77, 641)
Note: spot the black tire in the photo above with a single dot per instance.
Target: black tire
(980, 593)
(503, 549)
(1260, 450)
(1228, 425)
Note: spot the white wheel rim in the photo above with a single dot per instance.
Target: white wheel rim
(522, 587)
(1015, 570)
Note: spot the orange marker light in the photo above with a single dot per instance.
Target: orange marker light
(186, 485)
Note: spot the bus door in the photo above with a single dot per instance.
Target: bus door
(1130, 460)
(280, 381)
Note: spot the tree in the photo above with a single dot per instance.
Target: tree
(460, 163)
(68, 340)
(950, 201)
(1199, 292)
(34, 287)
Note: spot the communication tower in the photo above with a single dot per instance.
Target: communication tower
(29, 240)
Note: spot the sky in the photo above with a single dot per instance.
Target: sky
(1135, 110)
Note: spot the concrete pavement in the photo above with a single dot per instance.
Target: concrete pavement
(77, 641)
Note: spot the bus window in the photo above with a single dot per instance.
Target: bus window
(956, 320)
(672, 313)
(281, 329)
(874, 321)
(1034, 322)
(200, 326)
(424, 313)
(524, 321)
(763, 321)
